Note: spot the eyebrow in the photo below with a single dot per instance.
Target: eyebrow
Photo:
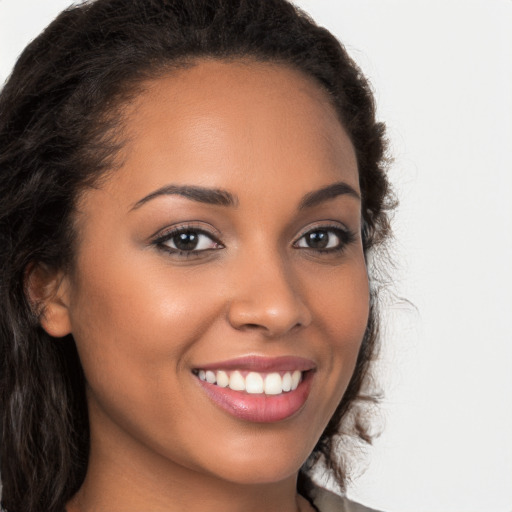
(213, 196)
(330, 192)
(220, 197)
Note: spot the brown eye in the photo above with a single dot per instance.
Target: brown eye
(326, 239)
(317, 239)
(321, 239)
(188, 240)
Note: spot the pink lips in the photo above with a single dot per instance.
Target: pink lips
(261, 408)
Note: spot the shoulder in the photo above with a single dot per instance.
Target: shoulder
(326, 501)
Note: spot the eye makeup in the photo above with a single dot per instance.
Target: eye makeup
(187, 240)
(331, 238)
(190, 240)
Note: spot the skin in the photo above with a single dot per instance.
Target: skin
(143, 318)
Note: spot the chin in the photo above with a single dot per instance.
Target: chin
(257, 473)
(259, 463)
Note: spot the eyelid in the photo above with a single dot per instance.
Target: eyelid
(345, 237)
(199, 226)
(325, 225)
(162, 236)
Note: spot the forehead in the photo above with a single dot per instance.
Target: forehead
(248, 122)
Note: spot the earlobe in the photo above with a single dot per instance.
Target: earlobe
(48, 293)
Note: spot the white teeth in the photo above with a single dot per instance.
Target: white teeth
(237, 382)
(287, 381)
(296, 377)
(274, 384)
(254, 382)
(222, 379)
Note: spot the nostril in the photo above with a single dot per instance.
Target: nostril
(252, 326)
(268, 311)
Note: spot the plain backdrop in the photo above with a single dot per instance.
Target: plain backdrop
(442, 75)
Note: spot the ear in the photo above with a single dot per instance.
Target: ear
(48, 293)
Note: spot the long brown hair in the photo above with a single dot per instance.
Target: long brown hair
(58, 117)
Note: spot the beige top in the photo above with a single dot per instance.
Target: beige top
(326, 501)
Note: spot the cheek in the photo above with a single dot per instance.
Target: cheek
(135, 331)
(341, 305)
(133, 325)
(341, 310)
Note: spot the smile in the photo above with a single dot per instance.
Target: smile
(274, 383)
(256, 389)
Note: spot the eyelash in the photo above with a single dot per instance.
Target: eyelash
(161, 241)
(344, 235)
(345, 238)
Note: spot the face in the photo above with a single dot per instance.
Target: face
(219, 294)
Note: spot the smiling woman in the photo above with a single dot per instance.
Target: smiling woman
(192, 193)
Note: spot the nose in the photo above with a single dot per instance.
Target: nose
(266, 296)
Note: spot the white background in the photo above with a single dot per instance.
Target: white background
(442, 72)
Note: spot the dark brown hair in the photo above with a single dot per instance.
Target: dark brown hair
(58, 116)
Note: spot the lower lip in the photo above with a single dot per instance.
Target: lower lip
(260, 408)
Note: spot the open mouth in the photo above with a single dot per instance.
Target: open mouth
(268, 383)
(258, 389)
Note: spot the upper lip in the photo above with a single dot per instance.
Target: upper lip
(262, 364)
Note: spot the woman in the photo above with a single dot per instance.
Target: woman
(191, 191)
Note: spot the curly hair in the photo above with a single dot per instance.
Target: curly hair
(59, 118)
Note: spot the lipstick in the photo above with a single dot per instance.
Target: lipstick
(258, 389)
